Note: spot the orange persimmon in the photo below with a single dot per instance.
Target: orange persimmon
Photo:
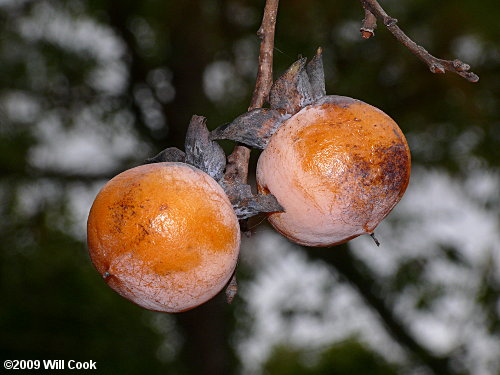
(164, 236)
(338, 167)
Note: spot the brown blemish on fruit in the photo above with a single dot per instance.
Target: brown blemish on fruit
(347, 165)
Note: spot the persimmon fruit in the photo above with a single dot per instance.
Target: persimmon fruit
(164, 236)
(338, 167)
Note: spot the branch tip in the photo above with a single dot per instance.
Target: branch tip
(369, 25)
(366, 33)
(374, 12)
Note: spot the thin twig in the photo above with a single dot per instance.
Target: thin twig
(435, 65)
(265, 72)
(237, 162)
(237, 167)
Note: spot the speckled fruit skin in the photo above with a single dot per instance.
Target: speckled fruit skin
(164, 236)
(338, 167)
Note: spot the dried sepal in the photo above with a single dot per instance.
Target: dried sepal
(201, 151)
(246, 204)
(253, 128)
(298, 87)
(231, 289)
(316, 75)
(292, 91)
(172, 154)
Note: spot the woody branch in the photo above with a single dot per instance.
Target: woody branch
(374, 12)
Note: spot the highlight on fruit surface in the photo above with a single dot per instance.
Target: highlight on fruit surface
(164, 235)
(337, 165)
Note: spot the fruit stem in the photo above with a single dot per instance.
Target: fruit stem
(265, 72)
(372, 235)
(231, 289)
(237, 167)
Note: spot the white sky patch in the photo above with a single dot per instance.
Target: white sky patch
(300, 303)
(348, 31)
(109, 77)
(82, 36)
(165, 325)
(20, 106)
(469, 48)
(92, 144)
(439, 210)
(221, 82)
(483, 187)
(80, 198)
(436, 209)
(33, 196)
(77, 34)
(151, 109)
(246, 51)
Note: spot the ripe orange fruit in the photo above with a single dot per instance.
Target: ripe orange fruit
(164, 236)
(338, 167)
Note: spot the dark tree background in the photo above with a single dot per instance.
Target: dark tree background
(89, 88)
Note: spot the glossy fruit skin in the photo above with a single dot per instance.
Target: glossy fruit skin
(338, 167)
(164, 236)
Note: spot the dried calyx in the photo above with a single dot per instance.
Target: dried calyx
(301, 85)
(207, 155)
